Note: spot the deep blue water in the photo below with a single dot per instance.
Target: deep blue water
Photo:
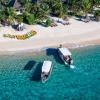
(20, 76)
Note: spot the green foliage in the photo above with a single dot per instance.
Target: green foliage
(19, 18)
(48, 22)
(30, 19)
(97, 2)
(57, 7)
(7, 14)
(28, 7)
(97, 15)
(86, 6)
(10, 14)
(2, 15)
(35, 12)
(10, 11)
(45, 9)
(10, 20)
(65, 9)
(72, 4)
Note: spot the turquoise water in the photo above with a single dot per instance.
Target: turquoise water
(19, 76)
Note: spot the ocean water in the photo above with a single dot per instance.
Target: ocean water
(20, 76)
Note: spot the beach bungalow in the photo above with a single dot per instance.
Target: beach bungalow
(18, 7)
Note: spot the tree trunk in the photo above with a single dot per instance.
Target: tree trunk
(87, 18)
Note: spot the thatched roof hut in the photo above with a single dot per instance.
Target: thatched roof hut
(15, 4)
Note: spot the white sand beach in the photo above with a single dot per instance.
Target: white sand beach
(77, 33)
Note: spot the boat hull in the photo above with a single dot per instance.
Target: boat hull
(62, 58)
(43, 79)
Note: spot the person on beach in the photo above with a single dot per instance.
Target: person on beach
(60, 46)
(20, 27)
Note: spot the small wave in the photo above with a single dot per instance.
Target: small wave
(81, 45)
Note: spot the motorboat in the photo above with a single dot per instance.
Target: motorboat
(46, 70)
(65, 55)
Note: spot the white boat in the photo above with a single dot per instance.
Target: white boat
(46, 71)
(65, 55)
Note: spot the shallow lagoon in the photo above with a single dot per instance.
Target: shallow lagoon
(20, 76)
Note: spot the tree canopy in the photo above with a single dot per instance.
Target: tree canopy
(33, 12)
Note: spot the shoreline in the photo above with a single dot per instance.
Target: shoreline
(39, 50)
(78, 34)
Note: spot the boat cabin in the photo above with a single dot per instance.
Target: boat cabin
(46, 70)
(65, 55)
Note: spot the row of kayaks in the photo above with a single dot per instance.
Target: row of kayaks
(65, 56)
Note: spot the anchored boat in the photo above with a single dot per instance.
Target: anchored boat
(65, 55)
(46, 71)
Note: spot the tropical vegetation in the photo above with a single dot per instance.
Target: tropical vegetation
(36, 12)
(97, 15)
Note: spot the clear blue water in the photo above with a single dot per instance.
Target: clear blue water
(20, 74)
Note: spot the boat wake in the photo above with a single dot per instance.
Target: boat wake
(72, 66)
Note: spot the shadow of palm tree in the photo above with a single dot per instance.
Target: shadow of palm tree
(54, 52)
(37, 73)
(29, 65)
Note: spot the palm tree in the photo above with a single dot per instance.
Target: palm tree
(40, 10)
(37, 11)
(28, 7)
(72, 4)
(61, 13)
(45, 9)
(86, 7)
(2, 14)
(56, 7)
(11, 14)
